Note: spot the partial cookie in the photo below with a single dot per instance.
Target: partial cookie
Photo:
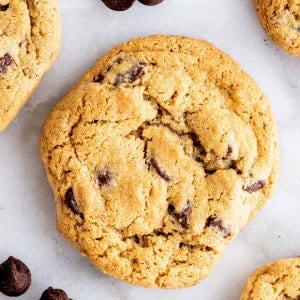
(279, 280)
(158, 157)
(281, 20)
(29, 43)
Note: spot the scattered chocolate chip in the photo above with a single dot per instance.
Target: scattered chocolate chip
(118, 5)
(5, 62)
(72, 204)
(229, 151)
(15, 277)
(133, 74)
(4, 7)
(104, 178)
(183, 218)
(151, 2)
(159, 170)
(217, 222)
(255, 186)
(196, 246)
(54, 294)
(99, 78)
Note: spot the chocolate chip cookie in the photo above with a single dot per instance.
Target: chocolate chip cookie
(29, 43)
(279, 280)
(281, 20)
(158, 157)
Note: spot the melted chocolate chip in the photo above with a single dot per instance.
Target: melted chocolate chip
(133, 74)
(159, 170)
(255, 186)
(229, 152)
(72, 204)
(99, 78)
(54, 294)
(15, 277)
(104, 178)
(151, 2)
(118, 5)
(183, 218)
(4, 7)
(217, 223)
(5, 62)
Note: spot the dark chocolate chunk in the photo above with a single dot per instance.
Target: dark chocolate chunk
(54, 294)
(118, 5)
(256, 186)
(72, 204)
(5, 62)
(183, 218)
(104, 178)
(133, 74)
(217, 223)
(4, 7)
(151, 2)
(159, 170)
(15, 277)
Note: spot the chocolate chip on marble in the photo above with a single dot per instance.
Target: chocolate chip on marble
(4, 7)
(54, 294)
(183, 218)
(5, 62)
(118, 5)
(256, 186)
(133, 74)
(104, 178)
(72, 204)
(151, 2)
(15, 277)
(217, 223)
(159, 170)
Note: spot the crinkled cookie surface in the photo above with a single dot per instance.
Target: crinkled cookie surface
(29, 43)
(158, 157)
(279, 280)
(281, 20)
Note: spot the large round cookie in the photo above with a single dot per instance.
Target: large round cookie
(279, 280)
(158, 157)
(281, 20)
(29, 43)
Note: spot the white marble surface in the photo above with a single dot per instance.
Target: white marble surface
(27, 212)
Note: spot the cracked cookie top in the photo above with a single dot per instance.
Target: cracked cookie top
(29, 43)
(281, 20)
(158, 157)
(279, 280)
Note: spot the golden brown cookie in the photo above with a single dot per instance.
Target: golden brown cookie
(158, 157)
(281, 20)
(29, 43)
(279, 280)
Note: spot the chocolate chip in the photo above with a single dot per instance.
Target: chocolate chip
(99, 78)
(104, 178)
(4, 7)
(183, 218)
(54, 294)
(5, 62)
(151, 2)
(133, 74)
(229, 151)
(15, 277)
(217, 223)
(255, 186)
(72, 204)
(118, 5)
(159, 170)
